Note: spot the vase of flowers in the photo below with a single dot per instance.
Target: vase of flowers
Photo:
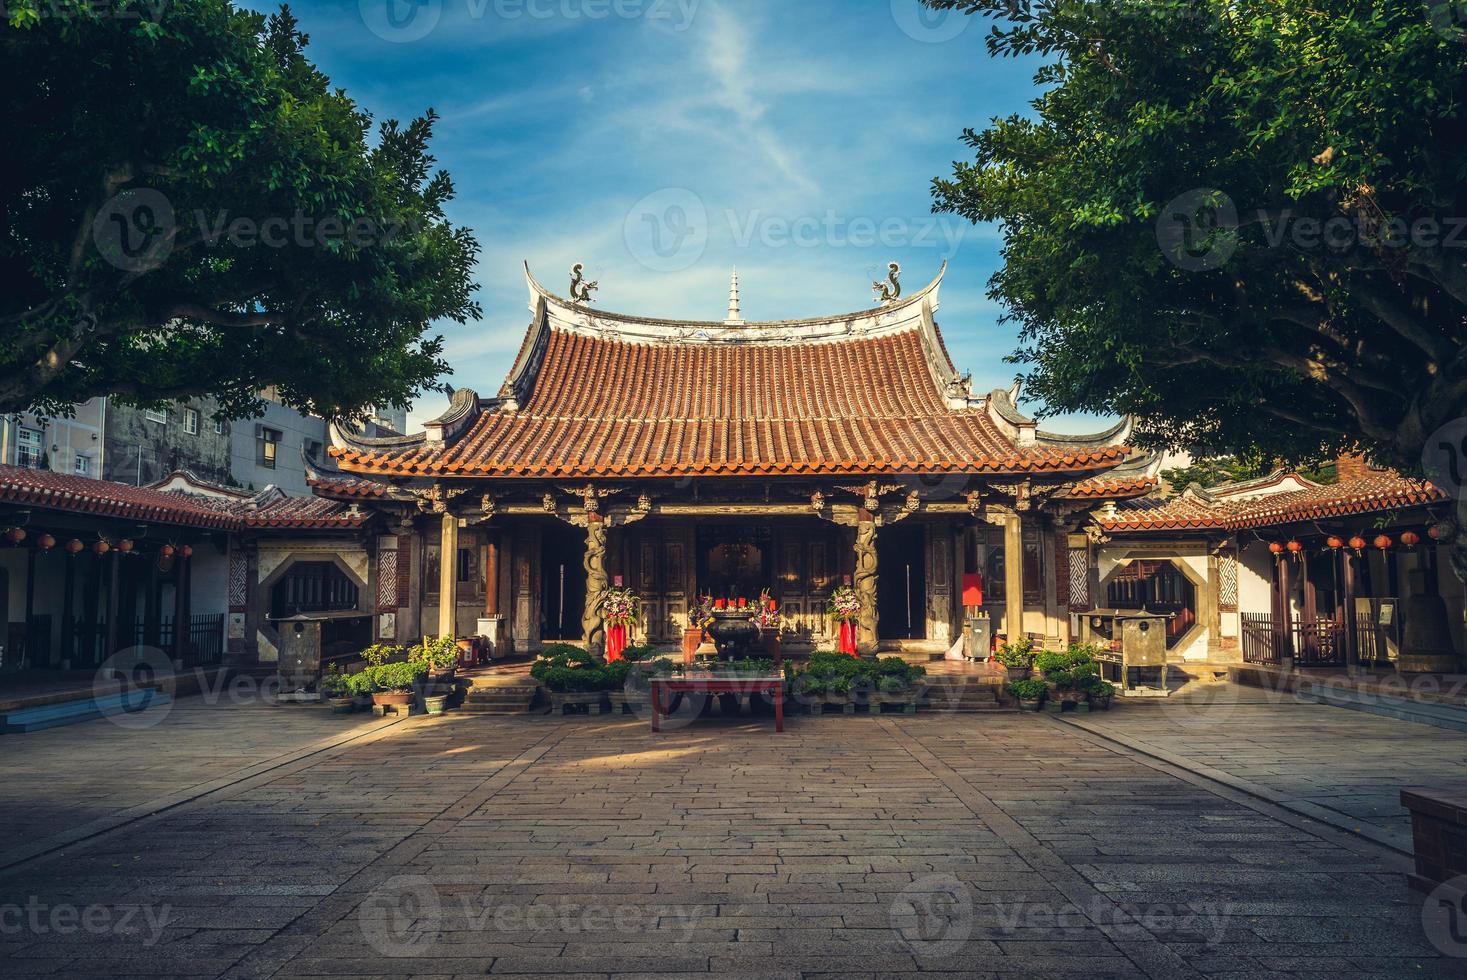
(770, 622)
(843, 607)
(700, 617)
(622, 608)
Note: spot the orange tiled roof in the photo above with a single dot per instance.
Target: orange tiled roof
(1113, 489)
(1376, 492)
(610, 407)
(82, 495)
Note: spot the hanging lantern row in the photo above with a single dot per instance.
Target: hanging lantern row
(100, 547)
(1382, 542)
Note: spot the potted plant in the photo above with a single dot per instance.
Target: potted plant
(336, 689)
(1069, 674)
(393, 684)
(436, 704)
(1101, 693)
(1029, 693)
(572, 676)
(896, 684)
(439, 656)
(843, 607)
(622, 610)
(1017, 658)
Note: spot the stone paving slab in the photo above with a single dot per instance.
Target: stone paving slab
(994, 845)
(1333, 764)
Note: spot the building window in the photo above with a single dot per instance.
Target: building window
(219, 427)
(313, 450)
(156, 416)
(28, 448)
(191, 421)
(269, 444)
(83, 465)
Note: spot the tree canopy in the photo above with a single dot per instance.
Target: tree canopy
(1243, 222)
(191, 209)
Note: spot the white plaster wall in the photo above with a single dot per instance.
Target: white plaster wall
(1191, 556)
(1255, 578)
(210, 586)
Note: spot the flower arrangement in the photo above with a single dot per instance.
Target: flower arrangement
(843, 605)
(700, 617)
(621, 607)
(767, 615)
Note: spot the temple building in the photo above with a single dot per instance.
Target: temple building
(722, 458)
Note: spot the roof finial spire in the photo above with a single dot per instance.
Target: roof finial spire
(735, 318)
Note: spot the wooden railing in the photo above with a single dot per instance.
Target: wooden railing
(1320, 643)
(1260, 644)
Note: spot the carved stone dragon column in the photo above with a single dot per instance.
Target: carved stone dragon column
(593, 628)
(865, 583)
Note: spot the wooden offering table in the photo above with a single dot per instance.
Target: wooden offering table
(708, 683)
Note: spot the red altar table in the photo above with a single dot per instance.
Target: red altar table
(714, 684)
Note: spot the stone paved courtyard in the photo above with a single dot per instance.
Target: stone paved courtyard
(979, 845)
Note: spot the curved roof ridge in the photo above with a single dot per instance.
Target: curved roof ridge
(730, 333)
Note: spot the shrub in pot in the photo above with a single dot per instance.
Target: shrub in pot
(439, 655)
(1101, 693)
(1029, 693)
(393, 683)
(1017, 657)
(336, 689)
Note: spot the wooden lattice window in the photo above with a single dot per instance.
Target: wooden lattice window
(1079, 567)
(387, 579)
(1227, 581)
(239, 586)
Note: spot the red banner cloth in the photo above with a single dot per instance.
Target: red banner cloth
(848, 638)
(616, 642)
(972, 588)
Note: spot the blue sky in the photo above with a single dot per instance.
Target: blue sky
(663, 142)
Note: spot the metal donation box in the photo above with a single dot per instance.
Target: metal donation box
(302, 640)
(1131, 648)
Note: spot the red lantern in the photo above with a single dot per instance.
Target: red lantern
(74, 546)
(186, 551)
(124, 546)
(1294, 548)
(1335, 542)
(166, 551)
(1410, 539)
(1436, 532)
(1358, 543)
(15, 535)
(1382, 541)
(102, 547)
(1275, 547)
(45, 542)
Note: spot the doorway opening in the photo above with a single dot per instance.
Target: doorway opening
(901, 589)
(562, 582)
(1156, 586)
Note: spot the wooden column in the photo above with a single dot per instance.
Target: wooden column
(112, 589)
(1347, 610)
(593, 627)
(1283, 623)
(448, 577)
(868, 630)
(491, 573)
(28, 655)
(68, 608)
(1013, 575)
(180, 609)
(92, 608)
(152, 600)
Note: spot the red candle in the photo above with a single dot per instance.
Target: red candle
(720, 603)
(743, 602)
